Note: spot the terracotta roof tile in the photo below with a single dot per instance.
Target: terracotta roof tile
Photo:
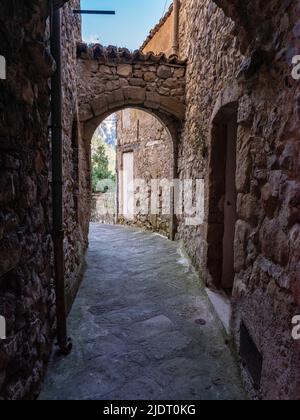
(123, 55)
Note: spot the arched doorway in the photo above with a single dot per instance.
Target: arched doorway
(145, 169)
(112, 79)
(222, 215)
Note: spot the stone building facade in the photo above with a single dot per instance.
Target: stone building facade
(26, 289)
(143, 136)
(76, 153)
(160, 38)
(27, 296)
(241, 69)
(27, 299)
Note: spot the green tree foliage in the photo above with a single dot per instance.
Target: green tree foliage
(100, 167)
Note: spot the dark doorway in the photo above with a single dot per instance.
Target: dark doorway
(223, 198)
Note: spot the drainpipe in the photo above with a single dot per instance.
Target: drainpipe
(175, 47)
(64, 344)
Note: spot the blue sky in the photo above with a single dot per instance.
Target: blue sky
(131, 25)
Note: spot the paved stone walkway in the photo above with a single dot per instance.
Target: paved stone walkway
(134, 331)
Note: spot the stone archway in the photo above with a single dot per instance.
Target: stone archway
(112, 79)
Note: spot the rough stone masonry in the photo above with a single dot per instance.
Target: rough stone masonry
(238, 54)
(27, 299)
(248, 61)
(143, 135)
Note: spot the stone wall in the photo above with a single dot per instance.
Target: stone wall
(266, 242)
(76, 157)
(267, 237)
(266, 291)
(104, 208)
(27, 298)
(212, 66)
(26, 274)
(151, 144)
(160, 38)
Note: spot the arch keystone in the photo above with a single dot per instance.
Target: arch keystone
(152, 100)
(100, 105)
(134, 95)
(116, 99)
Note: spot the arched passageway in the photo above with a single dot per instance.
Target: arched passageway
(111, 80)
(139, 318)
(220, 50)
(144, 168)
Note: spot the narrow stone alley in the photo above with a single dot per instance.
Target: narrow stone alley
(142, 327)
